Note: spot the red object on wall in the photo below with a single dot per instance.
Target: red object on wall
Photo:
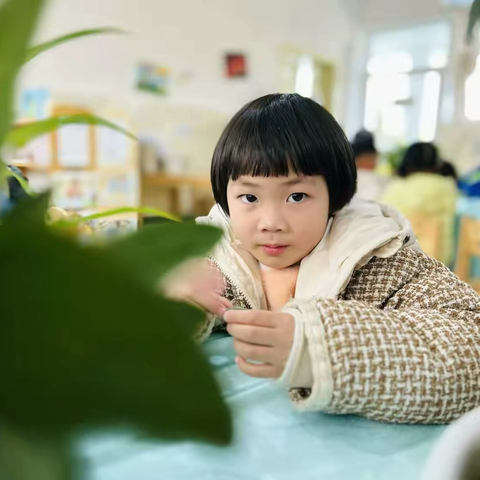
(236, 65)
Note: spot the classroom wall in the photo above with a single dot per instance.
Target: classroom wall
(381, 13)
(190, 37)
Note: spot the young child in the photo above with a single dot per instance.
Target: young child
(342, 306)
(370, 185)
(420, 190)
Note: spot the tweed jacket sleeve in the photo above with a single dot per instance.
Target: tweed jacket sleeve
(402, 344)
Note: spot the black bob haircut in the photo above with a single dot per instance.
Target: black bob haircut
(279, 133)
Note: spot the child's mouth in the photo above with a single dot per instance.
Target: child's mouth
(274, 250)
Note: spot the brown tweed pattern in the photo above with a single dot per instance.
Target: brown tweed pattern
(404, 342)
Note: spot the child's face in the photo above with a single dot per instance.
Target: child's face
(279, 220)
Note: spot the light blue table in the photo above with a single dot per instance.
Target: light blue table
(272, 441)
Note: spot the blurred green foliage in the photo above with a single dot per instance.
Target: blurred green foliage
(86, 338)
(394, 157)
(473, 19)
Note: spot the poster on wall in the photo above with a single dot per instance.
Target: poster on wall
(73, 143)
(74, 190)
(117, 189)
(34, 104)
(113, 148)
(153, 78)
(235, 65)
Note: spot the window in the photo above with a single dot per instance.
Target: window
(472, 93)
(306, 74)
(305, 77)
(404, 82)
(432, 82)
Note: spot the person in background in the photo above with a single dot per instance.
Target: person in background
(447, 169)
(15, 192)
(370, 185)
(421, 191)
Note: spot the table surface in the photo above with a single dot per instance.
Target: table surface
(272, 441)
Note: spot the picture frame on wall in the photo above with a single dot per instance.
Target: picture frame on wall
(74, 190)
(236, 65)
(153, 78)
(117, 189)
(74, 148)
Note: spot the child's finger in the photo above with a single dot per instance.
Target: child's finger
(263, 370)
(208, 284)
(259, 318)
(222, 306)
(226, 302)
(254, 335)
(257, 353)
(219, 284)
(215, 304)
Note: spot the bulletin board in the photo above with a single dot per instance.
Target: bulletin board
(86, 166)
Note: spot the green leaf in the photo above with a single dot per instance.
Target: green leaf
(18, 19)
(29, 210)
(24, 456)
(156, 249)
(38, 49)
(20, 136)
(4, 173)
(69, 222)
(83, 343)
(473, 18)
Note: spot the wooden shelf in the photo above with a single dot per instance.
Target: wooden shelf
(171, 186)
(175, 181)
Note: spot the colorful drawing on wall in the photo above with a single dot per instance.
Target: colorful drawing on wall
(34, 103)
(74, 190)
(117, 189)
(153, 78)
(235, 65)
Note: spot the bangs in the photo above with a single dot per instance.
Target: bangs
(279, 134)
(264, 149)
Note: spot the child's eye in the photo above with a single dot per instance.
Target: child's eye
(297, 197)
(248, 198)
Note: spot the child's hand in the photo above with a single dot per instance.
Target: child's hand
(199, 283)
(261, 336)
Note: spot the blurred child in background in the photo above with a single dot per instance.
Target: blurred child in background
(370, 185)
(421, 190)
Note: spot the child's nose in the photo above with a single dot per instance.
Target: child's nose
(272, 221)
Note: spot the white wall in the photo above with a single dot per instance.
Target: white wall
(190, 36)
(381, 13)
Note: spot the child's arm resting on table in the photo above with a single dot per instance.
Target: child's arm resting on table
(403, 346)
